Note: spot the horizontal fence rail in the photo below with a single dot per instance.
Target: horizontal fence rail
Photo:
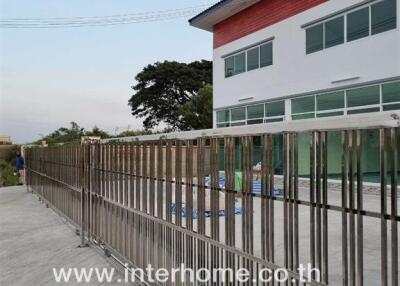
(244, 201)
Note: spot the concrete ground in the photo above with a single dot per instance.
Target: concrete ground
(34, 240)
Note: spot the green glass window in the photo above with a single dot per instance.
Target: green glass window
(329, 114)
(266, 56)
(388, 107)
(240, 63)
(253, 59)
(255, 111)
(315, 39)
(303, 116)
(363, 96)
(221, 125)
(303, 104)
(276, 108)
(229, 66)
(223, 116)
(363, 110)
(238, 114)
(272, 120)
(383, 16)
(391, 92)
(238, 123)
(333, 100)
(358, 24)
(254, 121)
(334, 32)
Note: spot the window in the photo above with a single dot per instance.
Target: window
(391, 92)
(255, 114)
(303, 116)
(238, 114)
(276, 108)
(229, 66)
(223, 116)
(303, 108)
(334, 32)
(303, 104)
(253, 59)
(371, 19)
(363, 110)
(391, 107)
(240, 63)
(363, 96)
(221, 125)
(315, 39)
(328, 114)
(329, 101)
(266, 57)
(238, 123)
(383, 16)
(358, 24)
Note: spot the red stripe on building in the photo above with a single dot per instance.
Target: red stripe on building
(261, 15)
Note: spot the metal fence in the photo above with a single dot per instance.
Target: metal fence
(185, 198)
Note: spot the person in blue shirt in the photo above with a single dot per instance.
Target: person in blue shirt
(20, 166)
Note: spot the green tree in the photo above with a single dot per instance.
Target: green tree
(197, 112)
(72, 134)
(162, 88)
(96, 131)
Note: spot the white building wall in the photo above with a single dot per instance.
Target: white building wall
(293, 72)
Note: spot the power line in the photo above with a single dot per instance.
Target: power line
(96, 21)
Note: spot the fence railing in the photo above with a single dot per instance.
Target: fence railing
(238, 198)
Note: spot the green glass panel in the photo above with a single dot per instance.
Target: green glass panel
(303, 116)
(303, 104)
(221, 125)
(255, 111)
(271, 120)
(334, 32)
(329, 114)
(364, 110)
(229, 66)
(276, 108)
(358, 24)
(333, 100)
(238, 114)
(253, 59)
(388, 107)
(266, 55)
(238, 123)
(363, 96)
(254, 121)
(240, 63)
(383, 16)
(391, 92)
(314, 39)
(223, 116)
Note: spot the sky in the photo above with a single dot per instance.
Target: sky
(50, 77)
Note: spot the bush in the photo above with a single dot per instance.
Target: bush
(7, 174)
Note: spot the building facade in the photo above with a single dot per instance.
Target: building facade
(277, 60)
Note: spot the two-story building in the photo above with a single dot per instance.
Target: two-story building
(282, 60)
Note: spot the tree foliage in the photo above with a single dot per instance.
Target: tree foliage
(74, 133)
(163, 88)
(197, 112)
